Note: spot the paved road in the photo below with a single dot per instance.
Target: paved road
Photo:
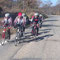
(46, 46)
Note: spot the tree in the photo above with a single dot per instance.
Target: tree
(19, 5)
(57, 7)
(47, 7)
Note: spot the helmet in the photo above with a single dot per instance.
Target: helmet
(40, 15)
(23, 14)
(32, 17)
(36, 14)
(19, 14)
(9, 27)
(7, 15)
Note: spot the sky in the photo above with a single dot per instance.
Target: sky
(53, 1)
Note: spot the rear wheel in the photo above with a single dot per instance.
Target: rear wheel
(18, 38)
(34, 31)
(16, 41)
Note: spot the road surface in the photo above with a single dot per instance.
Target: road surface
(46, 46)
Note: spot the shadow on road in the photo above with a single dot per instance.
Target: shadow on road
(27, 32)
(38, 38)
(45, 29)
(50, 20)
(50, 26)
(43, 32)
(28, 38)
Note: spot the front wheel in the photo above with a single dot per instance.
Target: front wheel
(16, 41)
(35, 31)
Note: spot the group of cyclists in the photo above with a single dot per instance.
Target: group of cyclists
(21, 21)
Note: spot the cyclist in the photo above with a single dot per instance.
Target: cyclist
(24, 18)
(20, 21)
(41, 19)
(27, 18)
(7, 23)
(36, 20)
(7, 20)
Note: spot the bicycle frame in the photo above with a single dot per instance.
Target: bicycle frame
(5, 35)
(19, 34)
(34, 30)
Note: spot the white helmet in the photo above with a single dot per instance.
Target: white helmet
(40, 15)
(7, 15)
(23, 14)
(36, 14)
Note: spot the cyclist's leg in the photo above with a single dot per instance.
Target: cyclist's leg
(37, 30)
(32, 30)
(22, 31)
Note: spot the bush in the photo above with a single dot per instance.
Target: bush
(45, 16)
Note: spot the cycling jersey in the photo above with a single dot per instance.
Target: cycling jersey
(19, 21)
(7, 21)
(35, 20)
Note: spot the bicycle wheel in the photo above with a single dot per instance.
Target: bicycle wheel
(17, 37)
(9, 34)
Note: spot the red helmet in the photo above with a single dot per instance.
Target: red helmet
(32, 17)
(19, 14)
(9, 27)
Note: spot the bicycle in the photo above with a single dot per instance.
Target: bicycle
(34, 30)
(19, 34)
(6, 35)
